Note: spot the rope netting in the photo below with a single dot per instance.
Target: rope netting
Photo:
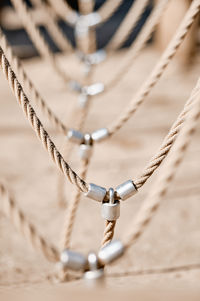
(30, 101)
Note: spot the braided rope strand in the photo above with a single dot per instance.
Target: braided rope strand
(133, 16)
(167, 143)
(51, 23)
(108, 233)
(159, 68)
(155, 197)
(18, 218)
(26, 82)
(37, 125)
(36, 37)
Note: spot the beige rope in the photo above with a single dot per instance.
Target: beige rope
(31, 90)
(72, 209)
(108, 233)
(37, 125)
(156, 195)
(18, 218)
(57, 158)
(35, 35)
(166, 145)
(138, 45)
(105, 11)
(62, 9)
(133, 16)
(51, 23)
(159, 68)
(165, 270)
(108, 9)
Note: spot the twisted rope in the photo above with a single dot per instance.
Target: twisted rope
(155, 197)
(108, 233)
(140, 41)
(36, 37)
(123, 32)
(37, 125)
(167, 143)
(159, 68)
(18, 218)
(108, 9)
(51, 23)
(72, 210)
(31, 90)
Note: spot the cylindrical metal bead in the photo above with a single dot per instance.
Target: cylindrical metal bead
(100, 134)
(85, 151)
(111, 252)
(73, 260)
(95, 89)
(96, 57)
(95, 274)
(91, 19)
(75, 136)
(83, 99)
(126, 190)
(74, 85)
(110, 211)
(72, 17)
(96, 192)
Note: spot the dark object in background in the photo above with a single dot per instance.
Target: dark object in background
(19, 38)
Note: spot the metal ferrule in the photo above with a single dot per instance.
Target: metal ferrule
(73, 260)
(96, 192)
(75, 86)
(110, 211)
(95, 273)
(75, 136)
(126, 190)
(96, 57)
(81, 28)
(94, 89)
(85, 151)
(111, 252)
(83, 99)
(91, 19)
(72, 18)
(100, 134)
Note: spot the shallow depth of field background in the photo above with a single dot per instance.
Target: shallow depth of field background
(172, 239)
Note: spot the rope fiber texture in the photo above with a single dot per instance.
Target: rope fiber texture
(158, 70)
(51, 23)
(19, 219)
(130, 21)
(29, 86)
(158, 192)
(36, 37)
(37, 125)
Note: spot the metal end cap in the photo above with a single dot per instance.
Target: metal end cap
(96, 192)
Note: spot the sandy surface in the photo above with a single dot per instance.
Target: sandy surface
(172, 239)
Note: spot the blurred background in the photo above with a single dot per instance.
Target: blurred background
(173, 237)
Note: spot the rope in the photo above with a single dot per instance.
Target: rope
(139, 43)
(159, 68)
(155, 197)
(42, 134)
(108, 9)
(35, 35)
(18, 218)
(62, 9)
(108, 233)
(37, 125)
(71, 211)
(20, 72)
(51, 23)
(166, 145)
(133, 16)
